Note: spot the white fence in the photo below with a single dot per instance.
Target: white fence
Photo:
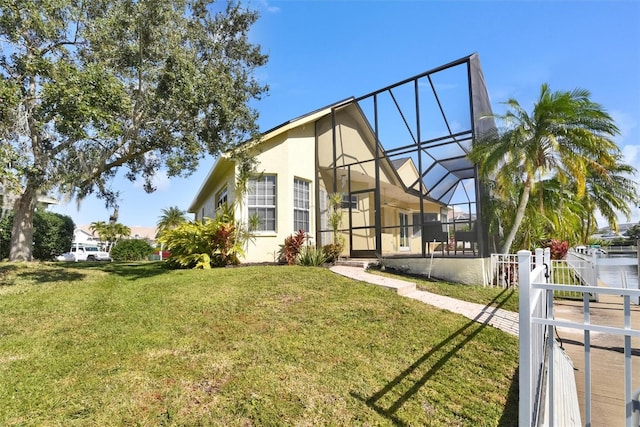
(503, 271)
(576, 269)
(533, 337)
(543, 377)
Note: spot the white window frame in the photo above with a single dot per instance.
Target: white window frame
(344, 204)
(222, 196)
(301, 205)
(403, 231)
(263, 201)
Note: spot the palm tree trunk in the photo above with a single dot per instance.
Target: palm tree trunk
(522, 206)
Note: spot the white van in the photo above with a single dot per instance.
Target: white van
(84, 252)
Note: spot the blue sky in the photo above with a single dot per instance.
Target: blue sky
(324, 51)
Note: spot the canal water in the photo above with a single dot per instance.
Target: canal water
(611, 269)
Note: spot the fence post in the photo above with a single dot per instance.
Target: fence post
(594, 268)
(525, 375)
(547, 260)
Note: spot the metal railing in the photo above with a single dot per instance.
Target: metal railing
(503, 271)
(536, 344)
(576, 269)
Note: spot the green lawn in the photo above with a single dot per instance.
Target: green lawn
(126, 344)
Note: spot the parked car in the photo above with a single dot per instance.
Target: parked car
(84, 252)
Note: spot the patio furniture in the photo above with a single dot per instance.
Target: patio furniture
(464, 237)
(432, 231)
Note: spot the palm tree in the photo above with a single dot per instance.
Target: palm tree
(611, 191)
(170, 219)
(116, 232)
(565, 137)
(109, 233)
(99, 227)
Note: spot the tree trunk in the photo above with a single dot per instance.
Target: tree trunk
(522, 206)
(22, 228)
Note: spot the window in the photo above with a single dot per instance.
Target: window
(300, 205)
(345, 201)
(261, 201)
(404, 230)
(221, 197)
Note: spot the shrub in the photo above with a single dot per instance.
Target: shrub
(310, 256)
(131, 250)
(558, 248)
(214, 243)
(5, 235)
(52, 234)
(332, 251)
(292, 245)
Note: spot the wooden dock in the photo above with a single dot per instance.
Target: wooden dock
(607, 357)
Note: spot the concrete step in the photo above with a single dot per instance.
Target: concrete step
(362, 263)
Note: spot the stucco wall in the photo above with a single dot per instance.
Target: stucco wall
(469, 271)
(288, 156)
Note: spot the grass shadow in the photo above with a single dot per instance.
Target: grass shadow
(510, 414)
(12, 274)
(130, 270)
(459, 339)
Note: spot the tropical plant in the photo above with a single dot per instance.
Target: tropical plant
(290, 250)
(558, 248)
(310, 256)
(99, 227)
(332, 251)
(611, 192)
(634, 232)
(567, 137)
(335, 222)
(170, 218)
(109, 232)
(196, 244)
(93, 88)
(131, 250)
(214, 242)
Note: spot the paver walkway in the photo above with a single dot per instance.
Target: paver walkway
(496, 317)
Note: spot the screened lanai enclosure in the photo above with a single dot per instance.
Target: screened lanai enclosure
(398, 157)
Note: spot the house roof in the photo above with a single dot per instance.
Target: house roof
(137, 232)
(397, 163)
(225, 160)
(301, 120)
(447, 166)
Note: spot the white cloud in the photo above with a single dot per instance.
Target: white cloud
(631, 154)
(269, 8)
(625, 122)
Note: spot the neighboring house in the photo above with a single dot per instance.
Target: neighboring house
(395, 158)
(84, 234)
(8, 200)
(144, 233)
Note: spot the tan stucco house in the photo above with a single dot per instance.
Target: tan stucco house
(397, 157)
(296, 173)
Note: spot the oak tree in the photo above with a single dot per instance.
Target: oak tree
(93, 88)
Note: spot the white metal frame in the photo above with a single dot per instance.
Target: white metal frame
(536, 322)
